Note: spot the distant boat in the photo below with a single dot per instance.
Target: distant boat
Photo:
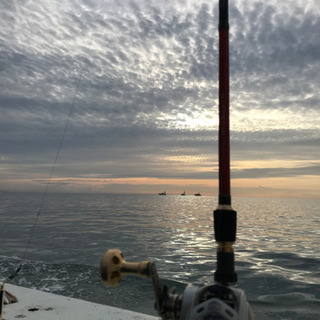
(184, 193)
(197, 194)
(162, 193)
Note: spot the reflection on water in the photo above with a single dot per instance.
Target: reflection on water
(172, 229)
(278, 237)
(277, 248)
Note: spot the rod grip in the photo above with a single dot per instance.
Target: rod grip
(225, 273)
(225, 225)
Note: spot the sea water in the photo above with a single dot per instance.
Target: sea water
(277, 248)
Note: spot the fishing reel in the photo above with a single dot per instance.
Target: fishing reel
(198, 302)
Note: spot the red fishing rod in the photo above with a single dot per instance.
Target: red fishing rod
(224, 145)
(225, 218)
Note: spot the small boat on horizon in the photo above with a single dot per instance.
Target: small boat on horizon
(162, 193)
(184, 193)
(198, 194)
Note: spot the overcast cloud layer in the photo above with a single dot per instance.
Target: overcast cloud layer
(131, 86)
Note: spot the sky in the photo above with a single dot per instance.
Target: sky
(122, 96)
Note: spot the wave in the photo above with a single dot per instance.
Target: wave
(136, 294)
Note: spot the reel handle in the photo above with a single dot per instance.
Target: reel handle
(113, 267)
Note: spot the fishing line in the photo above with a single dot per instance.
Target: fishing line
(44, 196)
(45, 193)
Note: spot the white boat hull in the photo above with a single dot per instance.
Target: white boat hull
(38, 305)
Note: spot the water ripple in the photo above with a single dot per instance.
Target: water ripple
(277, 251)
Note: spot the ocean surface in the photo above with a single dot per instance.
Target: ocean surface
(277, 248)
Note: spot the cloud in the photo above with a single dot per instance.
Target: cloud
(131, 87)
(274, 172)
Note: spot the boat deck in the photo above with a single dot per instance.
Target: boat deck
(38, 305)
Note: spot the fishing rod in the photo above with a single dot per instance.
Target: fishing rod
(225, 218)
(221, 300)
